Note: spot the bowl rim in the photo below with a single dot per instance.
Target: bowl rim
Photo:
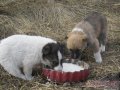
(63, 71)
(48, 73)
(88, 67)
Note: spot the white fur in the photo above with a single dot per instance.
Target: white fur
(59, 67)
(98, 57)
(22, 51)
(59, 56)
(102, 47)
(77, 29)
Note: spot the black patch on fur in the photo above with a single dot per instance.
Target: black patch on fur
(50, 52)
(75, 53)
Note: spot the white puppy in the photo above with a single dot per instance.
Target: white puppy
(23, 51)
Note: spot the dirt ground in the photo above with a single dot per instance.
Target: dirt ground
(54, 19)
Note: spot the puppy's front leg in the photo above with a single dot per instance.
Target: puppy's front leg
(102, 48)
(96, 50)
(28, 71)
(98, 57)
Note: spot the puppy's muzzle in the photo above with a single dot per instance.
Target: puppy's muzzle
(59, 66)
(75, 54)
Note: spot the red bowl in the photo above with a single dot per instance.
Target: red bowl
(62, 77)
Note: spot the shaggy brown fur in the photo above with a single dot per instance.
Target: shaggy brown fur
(92, 32)
(76, 37)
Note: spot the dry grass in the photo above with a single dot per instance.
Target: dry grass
(55, 19)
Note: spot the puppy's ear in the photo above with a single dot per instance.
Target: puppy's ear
(46, 50)
(61, 47)
(84, 38)
(68, 35)
(60, 44)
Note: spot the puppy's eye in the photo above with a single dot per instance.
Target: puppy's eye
(47, 66)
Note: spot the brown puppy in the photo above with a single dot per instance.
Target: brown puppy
(90, 31)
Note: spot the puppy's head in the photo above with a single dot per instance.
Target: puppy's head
(52, 55)
(76, 42)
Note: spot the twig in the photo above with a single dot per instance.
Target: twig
(115, 30)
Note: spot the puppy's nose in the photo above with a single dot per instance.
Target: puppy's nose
(75, 56)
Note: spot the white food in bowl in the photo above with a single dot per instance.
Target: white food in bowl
(69, 67)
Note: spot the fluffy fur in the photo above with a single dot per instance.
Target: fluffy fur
(22, 51)
(75, 40)
(90, 31)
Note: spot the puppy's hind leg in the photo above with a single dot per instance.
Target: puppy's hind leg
(13, 70)
(96, 49)
(27, 68)
(102, 40)
(102, 37)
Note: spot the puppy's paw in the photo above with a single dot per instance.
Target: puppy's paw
(23, 77)
(29, 78)
(98, 57)
(99, 61)
(58, 68)
(102, 48)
